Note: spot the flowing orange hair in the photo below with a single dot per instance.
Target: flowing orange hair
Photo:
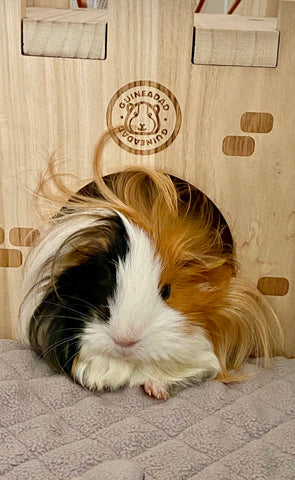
(197, 252)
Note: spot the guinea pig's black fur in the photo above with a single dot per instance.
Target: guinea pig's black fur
(135, 282)
(78, 292)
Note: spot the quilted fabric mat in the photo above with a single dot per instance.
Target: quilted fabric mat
(51, 428)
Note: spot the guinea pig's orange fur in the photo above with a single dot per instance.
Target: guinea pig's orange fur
(201, 270)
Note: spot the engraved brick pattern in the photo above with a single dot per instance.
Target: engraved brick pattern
(256, 122)
(243, 145)
(19, 237)
(238, 146)
(273, 286)
(23, 237)
(10, 258)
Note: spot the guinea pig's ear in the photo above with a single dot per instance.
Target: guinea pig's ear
(129, 107)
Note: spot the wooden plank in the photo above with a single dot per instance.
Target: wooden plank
(65, 33)
(49, 3)
(219, 39)
(54, 105)
(261, 8)
(235, 40)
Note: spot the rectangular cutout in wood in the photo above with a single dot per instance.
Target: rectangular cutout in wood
(218, 39)
(235, 40)
(50, 32)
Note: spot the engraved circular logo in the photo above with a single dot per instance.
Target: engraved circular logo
(143, 117)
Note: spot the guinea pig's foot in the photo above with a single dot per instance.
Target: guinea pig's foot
(80, 376)
(154, 389)
(94, 387)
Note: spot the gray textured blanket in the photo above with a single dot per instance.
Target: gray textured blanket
(52, 429)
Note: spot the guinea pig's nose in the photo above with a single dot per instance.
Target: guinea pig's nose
(125, 343)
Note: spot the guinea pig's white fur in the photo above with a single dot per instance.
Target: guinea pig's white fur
(135, 283)
(164, 352)
(143, 342)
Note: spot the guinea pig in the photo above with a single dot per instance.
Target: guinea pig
(142, 118)
(134, 282)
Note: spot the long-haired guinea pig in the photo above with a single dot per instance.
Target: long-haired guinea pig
(134, 282)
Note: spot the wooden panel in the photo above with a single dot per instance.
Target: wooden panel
(235, 40)
(65, 33)
(2, 235)
(10, 258)
(219, 39)
(273, 286)
(23, 237)
(261, 8)
(238, 146)
(54, 104)
(255, 122)
(49, 3)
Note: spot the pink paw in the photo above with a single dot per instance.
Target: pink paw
(156, 390)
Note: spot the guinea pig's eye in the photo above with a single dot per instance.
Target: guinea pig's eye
(165, 291)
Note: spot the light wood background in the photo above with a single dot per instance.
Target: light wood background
(48, 3)
(219, 39)
(236, 142)
(260, 8)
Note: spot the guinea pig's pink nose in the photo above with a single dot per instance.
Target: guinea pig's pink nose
(125, 343)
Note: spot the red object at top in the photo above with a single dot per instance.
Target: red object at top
(82, 3)
(231, 10)
(200, 5)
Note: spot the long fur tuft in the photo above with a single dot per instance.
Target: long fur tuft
(243, 326)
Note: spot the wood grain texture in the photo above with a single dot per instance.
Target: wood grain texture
(49, 3)
(273, 286)
(23, 237)
(261, 8)
(235, 40)
(218, 40)
(10, 258)
(256, 122)
(65, 33)
(238, 146)
(60, 104)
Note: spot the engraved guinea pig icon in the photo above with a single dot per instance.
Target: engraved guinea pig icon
(142, 118)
